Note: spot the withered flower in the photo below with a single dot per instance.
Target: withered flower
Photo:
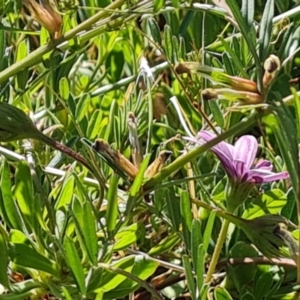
(46, 15)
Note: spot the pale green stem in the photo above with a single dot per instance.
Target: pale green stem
(221, 239)
(233, 193)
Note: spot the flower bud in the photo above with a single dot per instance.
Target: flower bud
(217, 76)
(232, 95)
(158, 164)
(271, 66)
(242, 84)
(115, 159)
(46, 15)
(209, 94)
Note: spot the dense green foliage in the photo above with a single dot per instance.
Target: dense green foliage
(102, 196)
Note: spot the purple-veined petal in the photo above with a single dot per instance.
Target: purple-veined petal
(267, 175)
(276, 176)
(252, 178)
(229, 167)
(221, 148)
(257, 180)
(264, 165)
(237, 160)
(239, 167)
(245, 150)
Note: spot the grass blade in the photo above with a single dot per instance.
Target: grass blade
(265, 30)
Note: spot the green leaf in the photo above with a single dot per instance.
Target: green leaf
(142, 268)
(127, 236)
(288, 210)
(24, 192)
(74, 263)
(66, 293)
(248, 296)
(239, 66)
(175, 49)
(275, 287)
(18, 237)
(8, 205)
(248, 11)
(82, 107)
(185, 23)
(137, 183)
(95, 124)
(189, 276)
(221, 293)
(297, 109)
(217, 113)
(165, 244)
(3, 63)
(244, 273)
(173, 208)
(200, 268)
(22, 52)
(64, 89)
(112, 204)
(109, 280)
(111, 126)
(158, 4)
(208, 230)
(154, 29)
(66, 192)
(196, 239)
(23, 287)
(244, 28)
(286, 136)
(265, 30)
(20, 296)
(175, 3)
(270, 202)
(86, 226)
(168, 42)
(25, 256)
(182, 48)
(227, 64)
(4, 261)
(263, 285)
(186, 213)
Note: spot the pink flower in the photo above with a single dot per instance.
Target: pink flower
(238, 160)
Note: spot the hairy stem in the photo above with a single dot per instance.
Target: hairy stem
(64, 149)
